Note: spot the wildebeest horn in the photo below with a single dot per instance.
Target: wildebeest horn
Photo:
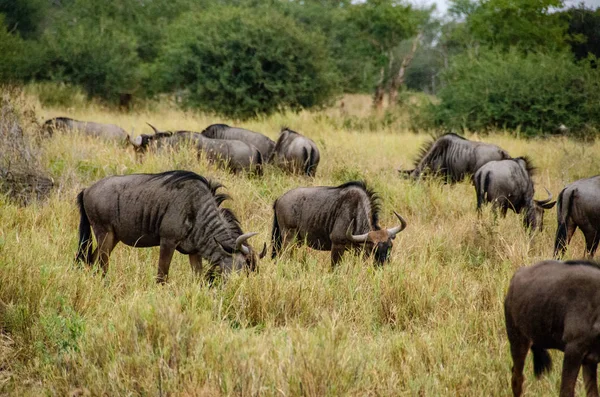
(542, 202)
(154, 128)
(239, 242)
(395, 230)
(360, 238)
(263, 253)
(137, 142)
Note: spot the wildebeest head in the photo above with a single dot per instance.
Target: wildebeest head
(377, 242)
(242, 256)
(535, 214)
(141, 142)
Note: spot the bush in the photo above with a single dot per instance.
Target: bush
(18, 59)
(534, 93)
(245, 62)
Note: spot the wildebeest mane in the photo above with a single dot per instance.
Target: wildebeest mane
(173, 178)
(529, 167)
(214, 128)
(583, 262)
(373, 199)
(426, 147)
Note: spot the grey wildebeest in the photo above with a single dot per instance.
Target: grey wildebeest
(454, 157)
(296, 153)
(555, 305)
(89, 128)
(176, 210)
(333, 218)
(223, 131)
(508, 184)
(579, 207)
(232, 154)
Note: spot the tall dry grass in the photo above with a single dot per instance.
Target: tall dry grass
(428, 323)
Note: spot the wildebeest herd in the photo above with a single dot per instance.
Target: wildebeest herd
(549, 305)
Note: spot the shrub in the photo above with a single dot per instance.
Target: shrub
(244, 62)
(534, 93)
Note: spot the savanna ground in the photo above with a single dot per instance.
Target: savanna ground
(428, 323)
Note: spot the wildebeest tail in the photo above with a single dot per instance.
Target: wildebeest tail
(309, 158)
(542, 362)
(276, 239)
(258, 164)
(564, 206)
(84, 250)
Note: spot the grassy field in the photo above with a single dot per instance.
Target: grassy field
(429, 323)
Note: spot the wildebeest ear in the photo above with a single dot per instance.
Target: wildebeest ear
(225, 249)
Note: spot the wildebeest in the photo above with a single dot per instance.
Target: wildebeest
(296, 152)
(508, 184)
(579, 206)
(555, 305)
(333, 218)
(176, 210)
(233, 154)
(454, 157)
(90, 128)
(223, 131)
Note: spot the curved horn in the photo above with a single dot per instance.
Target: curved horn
(395, 230)
(137, 142)
(541, 202)
(263, 252)
(239, 242)
(360, 238)
(154, 128)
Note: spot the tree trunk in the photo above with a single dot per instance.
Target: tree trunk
(379, 92)
(398, 80)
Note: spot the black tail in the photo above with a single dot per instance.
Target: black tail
(276, 239)
(542, 363)
(258, 165)
(84, 252)
(563, 213)
(311, 169)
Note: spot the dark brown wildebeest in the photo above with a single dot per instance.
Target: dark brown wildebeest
(260, 141)
(97, 130)
(555, 305)
(176, 210)
(579, 207)
(454, 157)
(232, 154)
(508, 184)
(296, 153)
(333, 218)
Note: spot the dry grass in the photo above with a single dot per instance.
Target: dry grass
(428, 323)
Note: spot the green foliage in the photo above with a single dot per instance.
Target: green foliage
(584, 31)
(242, 62)
(18, 59)
(534, 93)
(100, 57)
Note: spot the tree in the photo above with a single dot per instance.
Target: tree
(244, 62)
(584, 31)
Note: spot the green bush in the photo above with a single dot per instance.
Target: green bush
(244, 62)
(534, 93)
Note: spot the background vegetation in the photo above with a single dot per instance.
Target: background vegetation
(246, 58)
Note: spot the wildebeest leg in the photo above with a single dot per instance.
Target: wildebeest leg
(571, 365)
(337, 250)
(106, 243)
(519, 346)
(167, 248)
(590, 379)
(196, 263)
(591, 241)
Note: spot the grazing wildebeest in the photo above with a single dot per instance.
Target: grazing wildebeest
(233, 154)
(579, 206)
(296, 152)
(333, 218)
(223, 131)
(176, 210)
(454, 157)
(508, 184)
(555, 305)
(98, 130)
